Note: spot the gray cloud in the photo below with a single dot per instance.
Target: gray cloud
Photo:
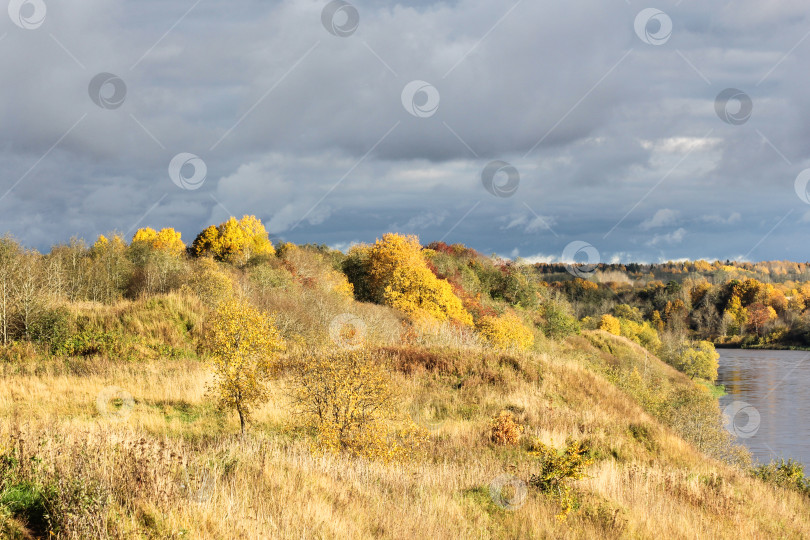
(307, 130)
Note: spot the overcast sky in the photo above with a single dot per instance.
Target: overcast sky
(516, 128)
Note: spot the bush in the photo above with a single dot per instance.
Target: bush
(209, 283)
(610, 324)
(504, 430)
(642, 333)
(401, 278)
(700, 360)
(557, 470)
(347, 399)
(505, 332)
(52, 328)
(787, 474)
(559, 324)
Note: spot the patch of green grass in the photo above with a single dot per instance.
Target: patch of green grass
(716, 390)
(27, 503)
(480, 497)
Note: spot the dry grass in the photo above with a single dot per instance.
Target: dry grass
(174, 467)
(270, 486)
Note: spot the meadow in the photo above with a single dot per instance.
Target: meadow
(497, 412)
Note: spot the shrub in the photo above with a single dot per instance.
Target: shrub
(52, 327)
(557, 470)
(642, 333)
(347, 398)
(505, 332)
(504, 430)
(610, 324)
(400, 278)
(700, 361)
(787, 474)
(211, 284)
(558, 324)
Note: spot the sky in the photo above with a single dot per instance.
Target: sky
(594, 131)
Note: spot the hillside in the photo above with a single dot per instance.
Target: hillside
(505, 415)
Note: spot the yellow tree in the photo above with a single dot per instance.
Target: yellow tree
(392, 252)
(700, 361)
(401, 278)
(244, 345)
(167, 239)
(234, 240)
(610, 324)
(416, 291)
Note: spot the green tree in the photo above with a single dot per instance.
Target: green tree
(700, 361)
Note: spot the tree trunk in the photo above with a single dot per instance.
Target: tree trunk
(241, 418)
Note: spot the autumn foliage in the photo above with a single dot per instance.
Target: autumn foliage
(243, 344)
(504, 430)
(401, 278)
(347, 398)
(234, 240)
(166, 239)
(505, 332)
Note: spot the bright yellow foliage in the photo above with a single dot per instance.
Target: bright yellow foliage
(347, 397)
(244, 345)
(505, 332)
(234, 240)
(401, 278)
(167, 239)
(416, 291)
(610, 324)
(103, 244)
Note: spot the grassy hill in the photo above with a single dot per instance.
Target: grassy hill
(108, 428)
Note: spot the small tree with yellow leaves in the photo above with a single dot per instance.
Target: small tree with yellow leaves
(244, 345)
(558, 469)
(347, 398)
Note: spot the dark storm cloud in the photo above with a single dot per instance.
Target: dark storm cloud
(617, 141)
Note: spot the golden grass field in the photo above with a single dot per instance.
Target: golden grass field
(173, 466)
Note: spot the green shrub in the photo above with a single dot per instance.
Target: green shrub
(558, 324)
(787, 474)
(558, 469)
(52, 328)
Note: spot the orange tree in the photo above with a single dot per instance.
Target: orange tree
(244, 345)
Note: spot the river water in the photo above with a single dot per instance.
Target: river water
(768, 401)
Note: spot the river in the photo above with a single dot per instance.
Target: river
(768, 401)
